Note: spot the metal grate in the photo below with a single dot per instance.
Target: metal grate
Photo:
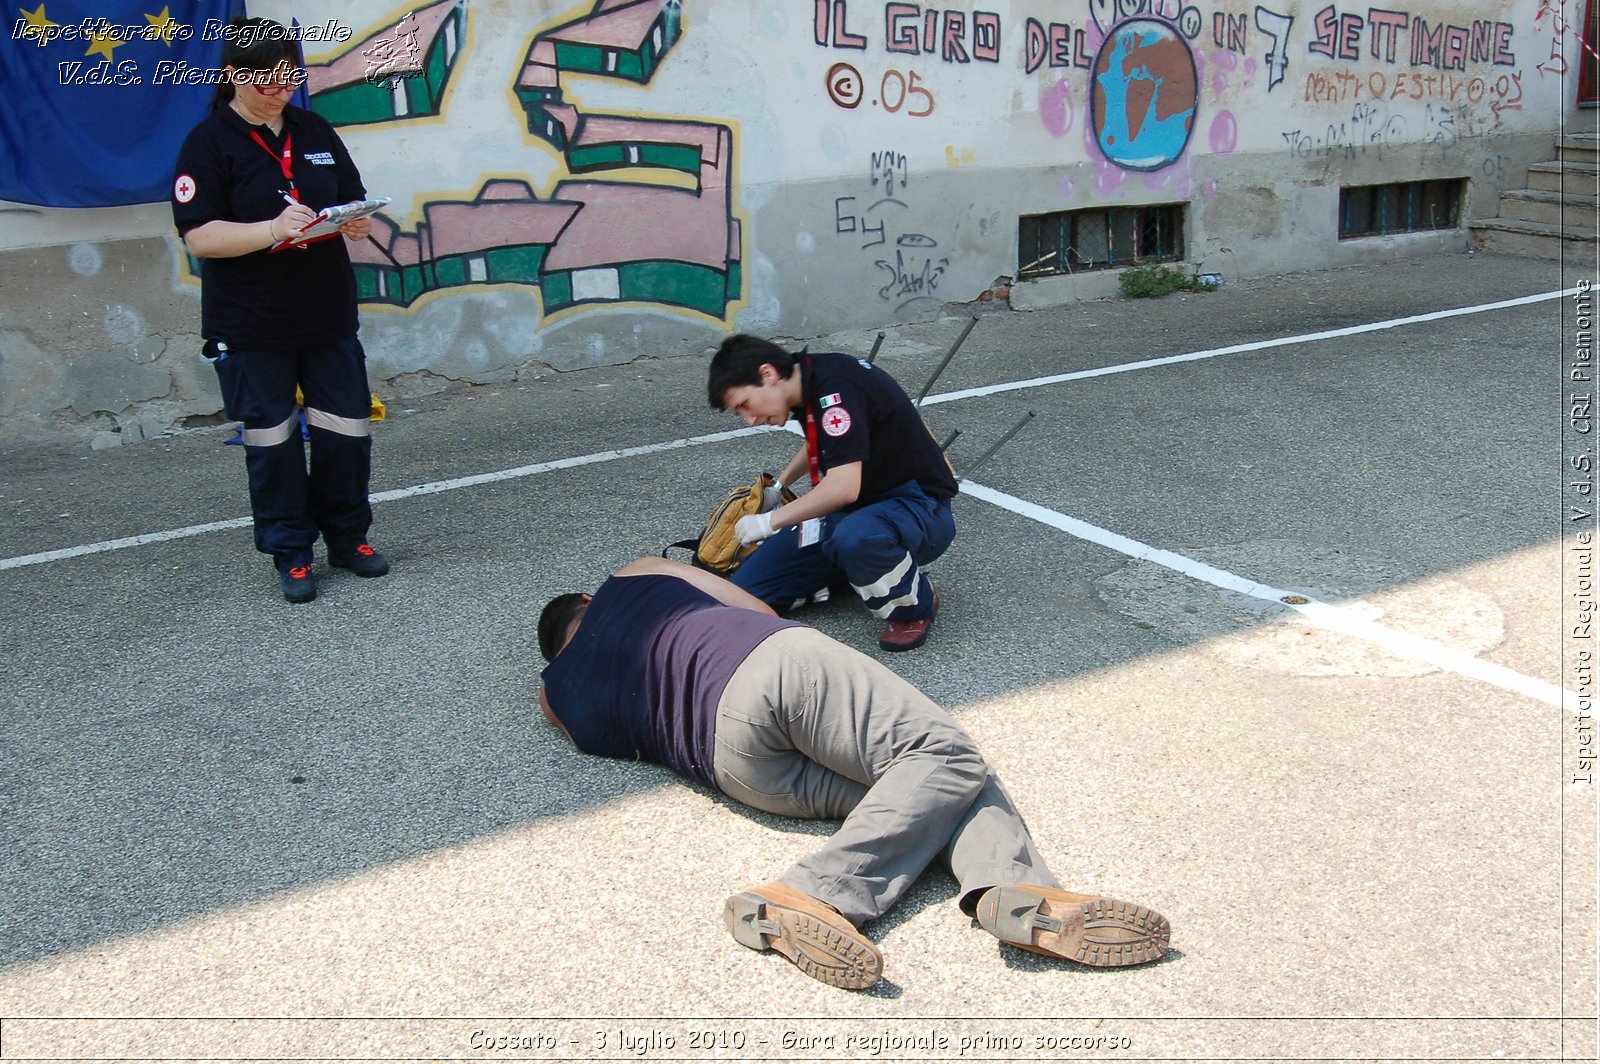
(1098, 239)
(1403, 207)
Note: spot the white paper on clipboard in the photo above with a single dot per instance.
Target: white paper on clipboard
(329, 219)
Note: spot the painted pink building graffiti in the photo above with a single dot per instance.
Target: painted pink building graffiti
(590, 242)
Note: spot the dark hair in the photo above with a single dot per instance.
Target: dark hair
(738, 362)
(257, 44)
(558, 615)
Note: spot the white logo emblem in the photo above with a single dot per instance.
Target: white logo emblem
(836, 422)
(183, 188)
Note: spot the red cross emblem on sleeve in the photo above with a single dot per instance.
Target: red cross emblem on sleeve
(836, 422)
(183, 188)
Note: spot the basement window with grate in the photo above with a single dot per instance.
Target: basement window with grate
(1101, 238)
(1403, 207)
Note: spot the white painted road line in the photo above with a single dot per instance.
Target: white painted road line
(385, 496)
(1237, 349)
(122, 544)
(563, 463)
(1321, 614)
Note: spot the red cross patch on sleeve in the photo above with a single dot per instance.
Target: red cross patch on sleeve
(836, 421)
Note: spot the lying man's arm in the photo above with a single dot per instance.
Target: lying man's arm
(550, 714)
(715, 586)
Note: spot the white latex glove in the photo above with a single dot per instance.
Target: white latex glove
(753, 528)
(771, 498)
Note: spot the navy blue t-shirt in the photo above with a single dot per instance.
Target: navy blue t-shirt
(863, 415)
(297, 297)
(642, 675)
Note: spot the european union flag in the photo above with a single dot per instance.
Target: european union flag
(99, 97)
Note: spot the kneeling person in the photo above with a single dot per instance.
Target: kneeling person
(879, 508)
(670, 664)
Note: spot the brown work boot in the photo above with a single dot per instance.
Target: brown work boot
(821, 943)
(909, 635)
(1102, 932)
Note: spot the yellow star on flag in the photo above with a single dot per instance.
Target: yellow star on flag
(162, 26)
(37, 24)
(104, 44)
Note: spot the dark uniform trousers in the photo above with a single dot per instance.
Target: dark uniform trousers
(880, 548)
(290, 503)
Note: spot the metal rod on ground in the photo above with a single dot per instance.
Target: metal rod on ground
(948, 440)
(873, 354)
(948, 356)
(998, 444)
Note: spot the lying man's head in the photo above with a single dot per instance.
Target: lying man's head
(559, 620)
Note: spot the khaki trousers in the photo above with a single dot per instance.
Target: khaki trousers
(808, 727)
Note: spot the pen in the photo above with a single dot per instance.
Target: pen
(291, 201)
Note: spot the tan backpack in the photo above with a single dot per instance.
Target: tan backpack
(717, 549)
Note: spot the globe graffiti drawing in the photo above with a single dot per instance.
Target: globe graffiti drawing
(1144, 95)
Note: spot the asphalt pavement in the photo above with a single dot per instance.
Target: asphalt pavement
(240, 829)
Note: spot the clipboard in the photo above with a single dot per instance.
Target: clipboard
(328, 220)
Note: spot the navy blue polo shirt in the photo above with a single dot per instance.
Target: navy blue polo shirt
(298, 297)
(643, 673)
(863, 415)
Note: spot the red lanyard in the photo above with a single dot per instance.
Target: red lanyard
(285, 162)
(811, 448)
(811, 433)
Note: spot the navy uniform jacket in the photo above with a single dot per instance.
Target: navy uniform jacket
(298, 297)
(863, 415)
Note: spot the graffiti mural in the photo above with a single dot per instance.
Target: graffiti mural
(644, 218)
(1563, 18)
(633, 241)
(909, 265)
(579, 182)
(1141, 62)
(399, 72)
(1441, 45)
(1377, 64)
(1145, 95)
(1275, 26)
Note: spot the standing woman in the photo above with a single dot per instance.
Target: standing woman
(250, 175)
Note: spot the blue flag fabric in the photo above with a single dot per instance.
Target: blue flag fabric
(302, 95)
(99, 97)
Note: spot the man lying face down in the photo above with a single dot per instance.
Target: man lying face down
(671, 664)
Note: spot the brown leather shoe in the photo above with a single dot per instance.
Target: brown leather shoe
(821, 943)
(909, 635)
(1102, 932)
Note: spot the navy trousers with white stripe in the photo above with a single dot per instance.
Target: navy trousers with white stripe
(879, 548)
(290, 502)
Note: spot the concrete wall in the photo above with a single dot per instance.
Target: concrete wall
(583, 183)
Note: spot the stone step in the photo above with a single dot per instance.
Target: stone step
(1582, 178)
(1537, 240)
(1579, 148)
(1551, 208)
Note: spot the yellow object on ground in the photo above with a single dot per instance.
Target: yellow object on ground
(379, 411)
